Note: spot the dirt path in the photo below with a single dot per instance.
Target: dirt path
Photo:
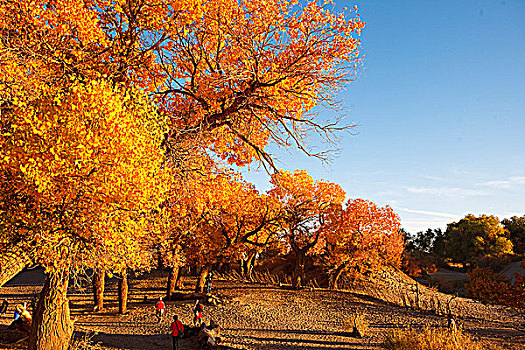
(259, 317)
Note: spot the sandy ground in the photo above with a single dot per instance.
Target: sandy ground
(254, 316)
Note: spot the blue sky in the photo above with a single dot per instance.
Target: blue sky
(440, 108)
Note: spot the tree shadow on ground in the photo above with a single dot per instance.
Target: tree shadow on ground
(133, 342)
(143, 342)
(292, 331)
(28, 277)
(12, 339)
(286, 343)
(27, 296)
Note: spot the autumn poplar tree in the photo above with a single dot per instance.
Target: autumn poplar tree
(250, 72)
(307, 206)
(78, 170)
(474, 237)
(361, 238)
(235, 220)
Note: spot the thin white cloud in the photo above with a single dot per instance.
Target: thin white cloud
(447, 191)
(431, 213)
(512, 182)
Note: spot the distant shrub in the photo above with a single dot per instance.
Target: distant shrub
(416, 263)
(488, 287)
(429, 339)
(496, 263)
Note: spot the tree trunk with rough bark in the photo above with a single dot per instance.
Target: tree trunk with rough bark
(173, 278)
(334, 277)
(242, 267)
(249, 266)
(98, 289)
(199, 287)
(178, 282)
(123, 293)
(52, 327)
(298, 270)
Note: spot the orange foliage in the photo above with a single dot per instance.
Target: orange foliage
(307, 206)
(84, 166)
(363, 236)
(232, 74)
(487, 286)
(220, 218)
(251, 71)
(229, 75)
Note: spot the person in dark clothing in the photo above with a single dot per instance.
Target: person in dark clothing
(451, 323)
(3, 308)
(208, 282)
(177, 330)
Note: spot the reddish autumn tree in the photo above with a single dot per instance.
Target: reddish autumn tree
(236, 219)
(306, 209)
(251, 71)
(489, 287)
(362, 237)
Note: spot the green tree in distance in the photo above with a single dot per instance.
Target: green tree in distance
(515, 228)
(474, 237)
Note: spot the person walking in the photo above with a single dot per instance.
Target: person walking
(451, 323)
(208, 282)
(197, 313)
(160, 308)
(177, 331)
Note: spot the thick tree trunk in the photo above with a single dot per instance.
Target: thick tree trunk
(173, 278)
(12, 263)
(298, 270)
(242, 267)
(199, 287)
(52, 328)
(98, 289)
(123, 293)
(249, 266)
(246, 266)
(178, 282)
(334, 277)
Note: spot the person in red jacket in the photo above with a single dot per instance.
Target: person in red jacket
(197, 314)
(177, 330)
(161, 307)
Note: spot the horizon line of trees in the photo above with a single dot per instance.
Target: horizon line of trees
(484, 245)
(471, 239)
